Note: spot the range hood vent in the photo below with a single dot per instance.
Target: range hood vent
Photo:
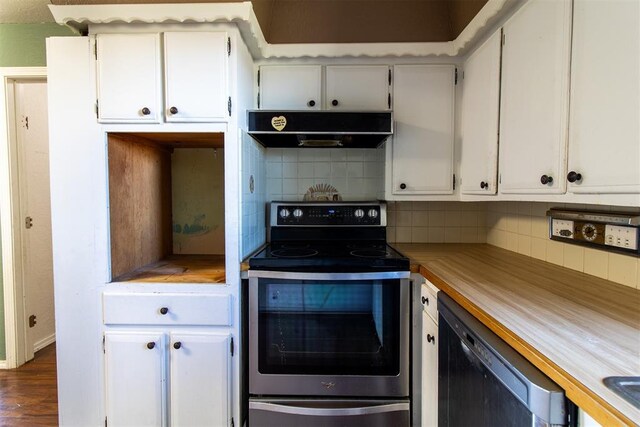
(291, 129)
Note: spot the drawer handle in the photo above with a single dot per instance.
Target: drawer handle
(431, 339)
(151, 345)
(177, 345)
(164, 310)
(425, 300)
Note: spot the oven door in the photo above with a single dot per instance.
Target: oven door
(326, 334)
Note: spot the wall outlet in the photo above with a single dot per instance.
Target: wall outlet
(621, 236)
(562, 228)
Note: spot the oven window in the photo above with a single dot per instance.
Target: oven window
(329, 327)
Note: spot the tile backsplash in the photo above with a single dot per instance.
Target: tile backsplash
(253, 199)
(522, 227)
(357, 174)
(436, 222)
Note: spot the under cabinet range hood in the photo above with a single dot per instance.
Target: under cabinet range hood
(348, 129)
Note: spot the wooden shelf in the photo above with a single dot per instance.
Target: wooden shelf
(180, 269)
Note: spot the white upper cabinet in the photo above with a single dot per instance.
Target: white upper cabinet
(422, 146)
(480, 118)
(295, 87)
(195, 76)
(365, 87)
(129, 82)
(604, 135)
(534, 100)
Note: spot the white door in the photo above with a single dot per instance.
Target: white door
(32, 134)
(195, 76)
(534, 104)
(128, 73)
(284, 87)
(422, 145)
(364, 87)
(199, 379)
(480, 118)
(429, 371)
(135, 380)
(604, 127)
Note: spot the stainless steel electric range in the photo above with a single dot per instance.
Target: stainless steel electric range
(329, 319)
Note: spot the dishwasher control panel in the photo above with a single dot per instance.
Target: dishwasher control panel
(618, 232)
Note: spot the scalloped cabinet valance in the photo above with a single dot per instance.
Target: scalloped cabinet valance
(81, 17)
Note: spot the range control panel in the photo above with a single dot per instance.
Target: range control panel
(328, 214)
(619, 232)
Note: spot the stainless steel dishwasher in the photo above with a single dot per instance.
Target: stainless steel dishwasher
(482, 381)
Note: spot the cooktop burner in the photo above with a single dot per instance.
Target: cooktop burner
(294, 253)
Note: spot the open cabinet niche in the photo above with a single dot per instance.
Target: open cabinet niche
(166, 206)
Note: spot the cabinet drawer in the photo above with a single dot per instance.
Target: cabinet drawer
(429, 299)
(178, 309)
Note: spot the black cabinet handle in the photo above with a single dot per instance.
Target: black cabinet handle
(334, 102)
(544, 179)
(573, 176)
(177, 345)
(151, 345)
(173, 110)
(425, 301)
(311, 103)
(484, 185)
(403, 186)
(145, 111)
(164, 310)
(431, 339)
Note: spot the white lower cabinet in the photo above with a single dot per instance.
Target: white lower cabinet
(429, 371)
(175, 378)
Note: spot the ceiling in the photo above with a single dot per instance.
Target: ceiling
(315, 21)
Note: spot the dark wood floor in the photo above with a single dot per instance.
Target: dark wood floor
(29, 394)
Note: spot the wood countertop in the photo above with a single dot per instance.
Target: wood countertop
(576, 328)
(180, 269)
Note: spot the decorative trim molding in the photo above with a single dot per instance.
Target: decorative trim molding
(79, 17)
(3, 364)
(39, 345)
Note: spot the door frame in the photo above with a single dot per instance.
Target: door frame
(10, 219)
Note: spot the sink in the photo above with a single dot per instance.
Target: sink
(626, 387)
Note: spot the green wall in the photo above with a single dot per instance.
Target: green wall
(23, 45)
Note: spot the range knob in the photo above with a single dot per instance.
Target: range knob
(359, 213)
(297, 213)
(284, 213)
(372, 213)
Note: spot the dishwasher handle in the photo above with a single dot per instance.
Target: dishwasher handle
(301, 409)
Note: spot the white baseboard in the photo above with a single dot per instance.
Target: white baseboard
(39, 345)
(3, 364)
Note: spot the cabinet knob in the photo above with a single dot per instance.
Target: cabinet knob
(334, 102)
(431, 339)
(311, 103)
(173, 110)
(484, 185)
(403, 186)
(145, 111)
(573, 176)
(164, 310)
(151, 345)
(425, 301)
(177, 345)
(545, 179)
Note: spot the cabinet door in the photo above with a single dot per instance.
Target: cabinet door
(429, 372)
(200, 383)
(422, 146)
(195, 76)
(358, 87)
(135, 381)
(128, 73)
(480, 117)
(604, 129)
(295, 87)
(534, 104)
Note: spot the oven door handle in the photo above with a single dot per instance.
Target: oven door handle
(329, 412)
(383, 275)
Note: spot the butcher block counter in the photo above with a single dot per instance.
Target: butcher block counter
(576, 328)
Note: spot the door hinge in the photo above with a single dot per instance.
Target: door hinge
(504, 38)
(95, 49)
(258, 101)
(500, 179)
(456, 77)
(454, 181)
(389, 101)
(232, 422)
(104, 350)
(228, 46)
(258, 77)
(231, 347)
(97, 109)
(389, 76)
(106, 423)
(229, 106)
(32, 321)
(28, 222)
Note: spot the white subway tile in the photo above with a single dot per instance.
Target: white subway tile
(623, 269)
(403, 234)
(524, 245)
(435, 234)
(289, 170)
(289, 154)
(403, 218)
(574, 257)
(274, 170)
(452, 234)
(355, 170)
(418, 234)
(419, 219)
(305, 170)
(322, 170)
(339, 169)
(338, 154)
